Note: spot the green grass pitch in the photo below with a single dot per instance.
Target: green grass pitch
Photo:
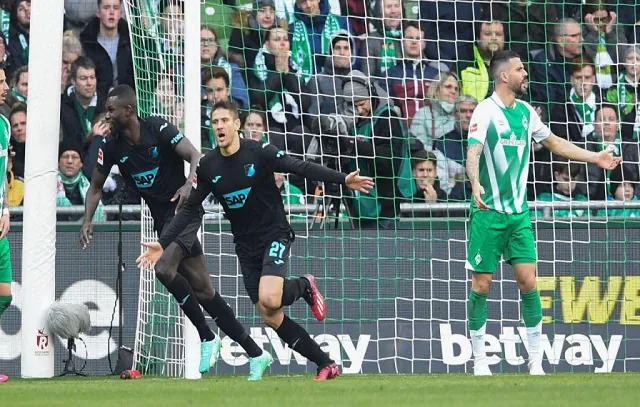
(354, 390)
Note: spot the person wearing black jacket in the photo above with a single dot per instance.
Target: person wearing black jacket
(106, 42)
(81, 103)
(19, 25)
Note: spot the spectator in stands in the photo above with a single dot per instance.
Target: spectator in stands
(216, 86)
(286, 9)
(19, 32)
(18, 121)
(475, 78)
(451, 151)
(172, 24)
(625, 92)
(425, 175)
(529, 24)
(77, 13)
(212, 56)
(356, 12)
(71, 51)
(72, 184)
(408, 81)
(448, 27)
(19, 86)
(6, 62)
(574, 121)
(602, 42)
(247, 39)
(551, 70)
(328, 84)
(380, 145)
(565, 176)
(255, 126)
(277, 86)
(436, 117)
(106, 42)
(383, 46)
(314, 24)
(15, 194)
(81, 103)
(167, 102)
(623, 188)
(607, 135)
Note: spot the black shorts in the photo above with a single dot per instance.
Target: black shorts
(270, 261)
(188, 238)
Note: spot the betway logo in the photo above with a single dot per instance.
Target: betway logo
(336, 346)
(578, 349)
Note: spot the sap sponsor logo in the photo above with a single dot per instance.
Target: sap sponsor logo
(80, 292)
(575, 349)
(341, 348)
(145, 179)
(237, 199)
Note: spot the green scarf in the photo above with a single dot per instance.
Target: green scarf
(367, 206)
(388, 52)
(25, 48)
(86, 116)
(586, 110)
(625, 99)
(5, 21)
(18, 96)
(82, 183)
(301, 47)
(603, 62)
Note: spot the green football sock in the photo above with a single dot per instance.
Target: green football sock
(5, 301)
(477, 310)
(531, 308)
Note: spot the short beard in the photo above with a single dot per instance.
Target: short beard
(519, 92)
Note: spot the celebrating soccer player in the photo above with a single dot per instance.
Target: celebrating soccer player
(5, 253)
(500, 136)
(150, 153)
(239, 172)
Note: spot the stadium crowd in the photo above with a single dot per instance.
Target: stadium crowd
(389, 85)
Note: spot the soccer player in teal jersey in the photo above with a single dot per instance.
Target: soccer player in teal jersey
(500, 135)
(5, 254)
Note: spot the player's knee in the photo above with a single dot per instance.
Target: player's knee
(204, 294)
(165, 271)
(527, 284)
(271, 302)
(481, 285)
(271, 319)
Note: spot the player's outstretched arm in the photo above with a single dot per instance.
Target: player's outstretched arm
(473, 169)
(189, 153)
(604, 159)
(94, 194)
(283, 162)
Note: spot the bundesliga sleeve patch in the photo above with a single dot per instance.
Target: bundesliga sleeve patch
(194, 181)
(100, 157)
(473, 128)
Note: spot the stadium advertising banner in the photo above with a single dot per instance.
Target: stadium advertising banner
(389, 311)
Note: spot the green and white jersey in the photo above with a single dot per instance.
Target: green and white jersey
(506, 134)
(5, 133)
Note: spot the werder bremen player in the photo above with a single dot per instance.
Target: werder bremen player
(501, 131)
(5, 254)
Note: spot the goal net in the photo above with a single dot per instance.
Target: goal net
(396, 286)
